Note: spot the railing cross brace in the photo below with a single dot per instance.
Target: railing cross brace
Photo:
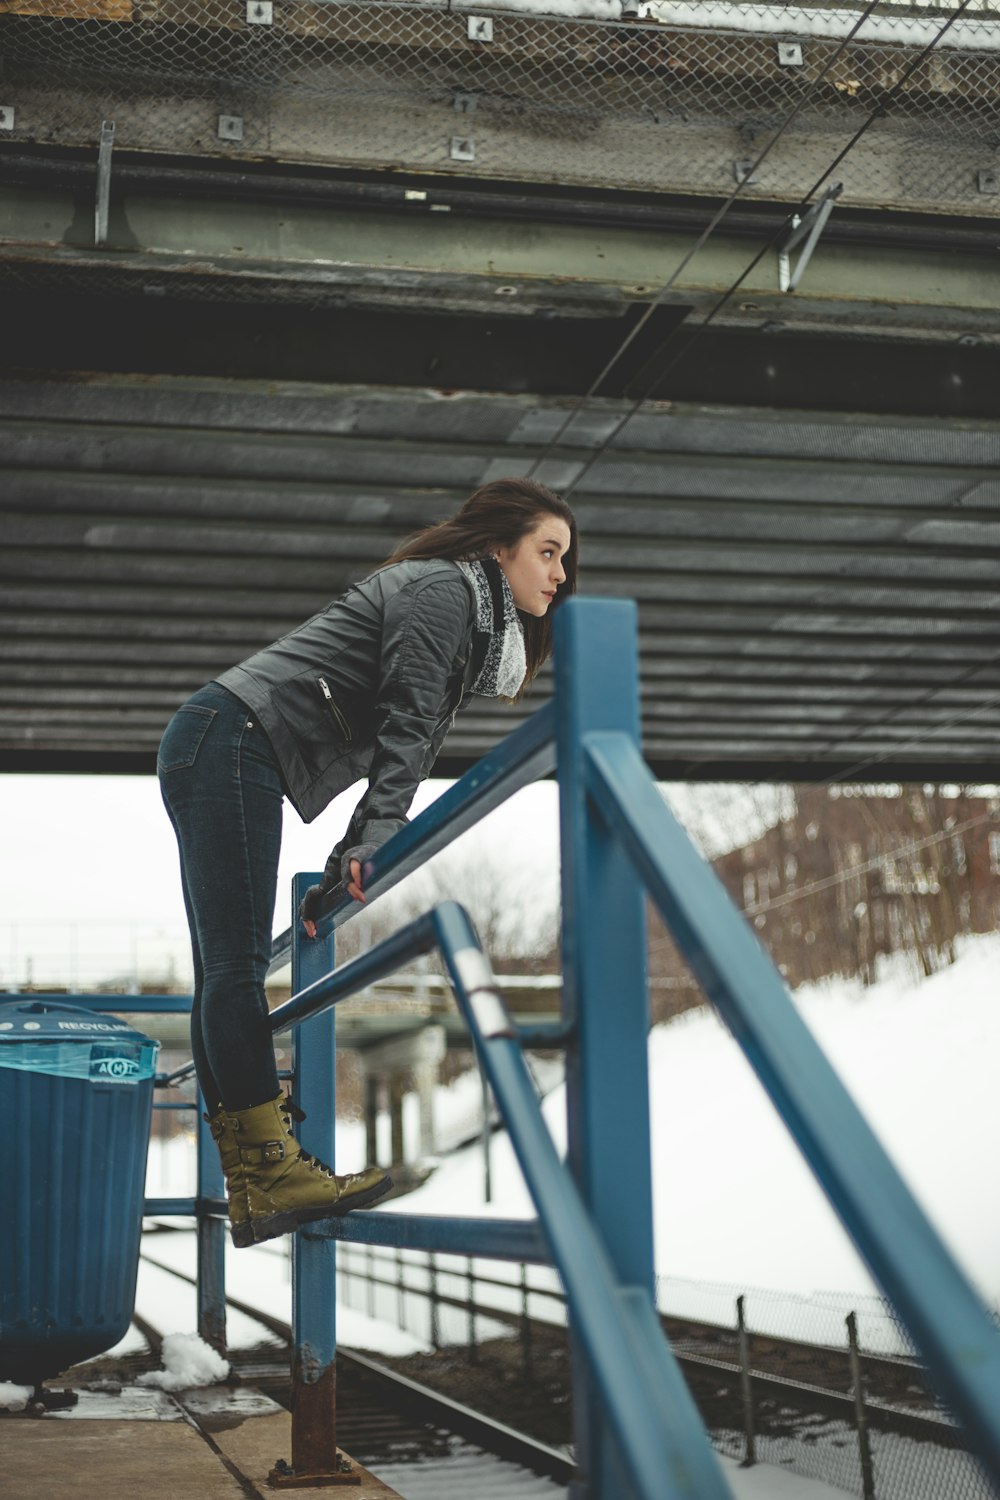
(103, 199)
(808, 228)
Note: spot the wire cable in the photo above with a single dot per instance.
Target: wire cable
(709, 229)
(711, 226)
(727, 296)
(829, 882)
(877, 862)
(850, 773)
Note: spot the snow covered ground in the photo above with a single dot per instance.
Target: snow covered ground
(734, 1202)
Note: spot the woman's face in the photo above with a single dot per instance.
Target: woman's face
(533, 566)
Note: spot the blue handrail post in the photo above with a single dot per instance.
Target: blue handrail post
(604, 990)
(314, 1264)
(211, 1293)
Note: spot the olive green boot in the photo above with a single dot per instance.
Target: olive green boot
(224, 1137)
(285, 1186)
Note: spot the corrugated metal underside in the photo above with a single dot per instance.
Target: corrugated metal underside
(817, 594)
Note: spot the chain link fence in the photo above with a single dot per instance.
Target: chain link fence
(826, 1386)
(676, 97)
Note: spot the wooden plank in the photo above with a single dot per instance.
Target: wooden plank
(70, 1458)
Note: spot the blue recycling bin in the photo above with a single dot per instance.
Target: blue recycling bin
(76, 1097)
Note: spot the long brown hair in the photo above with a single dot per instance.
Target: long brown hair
(500, 514)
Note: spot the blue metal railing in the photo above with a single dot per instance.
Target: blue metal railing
(638, 1433)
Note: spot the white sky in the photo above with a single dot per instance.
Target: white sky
(90, 863)
(89, 883)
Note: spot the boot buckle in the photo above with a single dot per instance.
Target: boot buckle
(259, 1156)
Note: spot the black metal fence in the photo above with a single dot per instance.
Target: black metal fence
(825, 1386)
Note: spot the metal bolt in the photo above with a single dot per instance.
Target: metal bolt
(230, 127)
(466, 103)
(480, 28)
(6, 117)
(988, 181)
(789, 54)
(742, 170)
(462, 149)
(260, 13)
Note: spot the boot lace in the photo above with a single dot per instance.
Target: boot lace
(292, 1114)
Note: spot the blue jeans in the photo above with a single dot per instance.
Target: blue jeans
(223, 792)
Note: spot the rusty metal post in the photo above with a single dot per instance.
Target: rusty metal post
(400, 1289)
(749, 1456)
(525, 1321)
(316, 1460)
(212, 1234)
(487, 1169)
(435, 1301)
(371, 1118)
(860, 1414)
(397, 1094)
(471, 1284)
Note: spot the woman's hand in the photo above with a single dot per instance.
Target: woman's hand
(354, 884)
(316, 893)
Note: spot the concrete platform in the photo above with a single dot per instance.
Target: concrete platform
(217, 1444)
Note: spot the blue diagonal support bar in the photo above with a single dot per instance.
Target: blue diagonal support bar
(660, 1434)
(946, 1320)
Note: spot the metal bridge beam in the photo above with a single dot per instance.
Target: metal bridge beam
(403, 256)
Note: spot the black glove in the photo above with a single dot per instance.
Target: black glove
(335, 877)
(309, 906)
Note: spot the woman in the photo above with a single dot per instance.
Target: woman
(367, 687)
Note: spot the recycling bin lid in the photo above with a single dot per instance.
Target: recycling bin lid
(47, 1036)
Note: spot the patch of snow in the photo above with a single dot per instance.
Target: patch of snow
(14, 1397)
(794, 20)
(355, 1330)
(171, 1168)
(132, 1342)
(735, 1203)
(188, 1363)
(765, 1482)
(589, 10)
(427, 1478)
(770, 20)
(259, 1275)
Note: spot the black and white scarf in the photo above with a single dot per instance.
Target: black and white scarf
(499, 636)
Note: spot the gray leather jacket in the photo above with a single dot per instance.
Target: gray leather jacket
(368, 687)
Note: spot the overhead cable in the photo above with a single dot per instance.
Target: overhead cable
(709, 229)
(771, 244)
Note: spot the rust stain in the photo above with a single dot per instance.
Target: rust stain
(71, 10)
(316, 1459)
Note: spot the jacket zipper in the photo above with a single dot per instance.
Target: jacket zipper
(345, 728)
